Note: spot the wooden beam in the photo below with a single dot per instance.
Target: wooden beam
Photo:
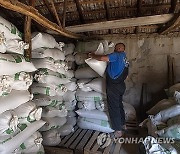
(139, 6)
(27, 32)
(174, 5)
(172, 24)
(107, 9)
(35, 15)
(148, 20)
(52, 10)
(79, 11)
(64, 13)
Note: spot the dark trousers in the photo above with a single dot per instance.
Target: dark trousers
(115, 89)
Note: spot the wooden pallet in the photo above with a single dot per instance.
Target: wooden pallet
(83, 141)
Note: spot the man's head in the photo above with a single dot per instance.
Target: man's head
(119, 47)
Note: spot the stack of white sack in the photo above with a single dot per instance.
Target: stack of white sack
(164, 117)
(11, 38)
(54, 87)
(20, 118)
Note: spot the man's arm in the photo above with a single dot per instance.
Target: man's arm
(99, 57)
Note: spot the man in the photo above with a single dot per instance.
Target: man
(116, 73)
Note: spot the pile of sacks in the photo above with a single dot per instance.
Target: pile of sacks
(20, 118)
(54, 87)
(91, 97)
(164, 121)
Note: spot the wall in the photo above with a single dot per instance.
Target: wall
(148, 64)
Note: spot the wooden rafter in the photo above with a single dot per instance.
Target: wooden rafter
(139, 7)
(35, 15)
(64, 13)
(79, 11)
(148, 20)
(52, 10)
(172, 24)
(174, 5)
(107, 9)
(27, 31)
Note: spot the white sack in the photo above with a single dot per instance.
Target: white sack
(161, 105)
(69, 96)
(94, 124)
(153, 147)
(17, 63)
(170, 132)
(50, 77)
(69, 58)
(71, 121)
(14, 142)
(16, 46)
(68, 48)
(80, 58)
(177, 96)
(70, 105)
(94, 114)
(55, 122)
(173, 88)
(166, 114)
(49, 111)
(89, 96)
(83, 82)
(51, 137)
(69, 74)
(18, 81)
(48, 89)
(85, 73)
(101, 106)
(66, 130)
(31, 145)
(51, 64)
(28, 112)
(71, 114)
(54, 53)
(9, 122)
(45, 40)
(98, 66)
(44, 100)
(72, 86)
(13, 100)
(87, 105)
(2, 43)
(9, 30)
(98, 85)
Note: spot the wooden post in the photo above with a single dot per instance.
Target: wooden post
(27, 32)
(64, 13)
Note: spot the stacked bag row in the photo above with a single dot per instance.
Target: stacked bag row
(164, 122)
(54, 87)
(20, 118)
(91, 96)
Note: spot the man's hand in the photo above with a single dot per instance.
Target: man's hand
(98, 57)
(91, 55)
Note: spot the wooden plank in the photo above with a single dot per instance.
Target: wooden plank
(80, 136)
(172, 24)
(79, 11)
(174, 5)
(64, 13)
(52, 10)
(108, 148)
(91, 141)
(117, 148)
(84, 140)
(35, 15)
(72, 138)
(148, 20)
(55, 150)
(68, 136)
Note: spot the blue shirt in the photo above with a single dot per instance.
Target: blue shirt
(117, 63)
